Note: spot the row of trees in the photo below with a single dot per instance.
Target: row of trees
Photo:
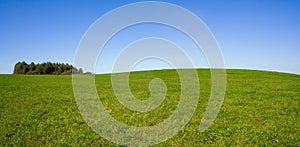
(45, 68)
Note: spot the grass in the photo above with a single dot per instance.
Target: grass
(260, 108)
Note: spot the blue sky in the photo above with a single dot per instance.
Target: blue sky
(252, 34)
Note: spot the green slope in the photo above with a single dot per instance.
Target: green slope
(260, 108)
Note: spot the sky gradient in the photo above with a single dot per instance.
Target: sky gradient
(252, 34)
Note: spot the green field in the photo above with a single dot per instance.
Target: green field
(260, 108)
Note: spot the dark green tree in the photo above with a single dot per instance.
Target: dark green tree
(45, 68)
(80, 71)
(17, 68)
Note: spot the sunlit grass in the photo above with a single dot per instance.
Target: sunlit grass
(260, 108)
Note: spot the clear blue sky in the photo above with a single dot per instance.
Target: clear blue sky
(253, 34)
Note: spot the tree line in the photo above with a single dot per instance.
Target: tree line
(46, 68)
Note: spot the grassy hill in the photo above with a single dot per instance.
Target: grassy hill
(260, 108)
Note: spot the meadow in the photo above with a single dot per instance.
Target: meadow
(260, 109)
